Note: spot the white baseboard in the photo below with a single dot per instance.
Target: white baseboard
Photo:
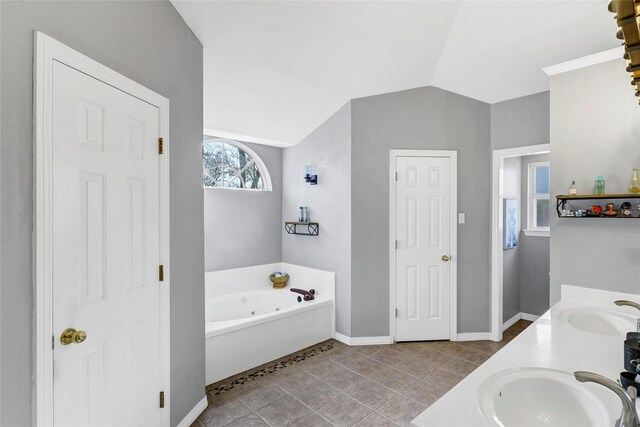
(194, 413)
(514, 319)
(363, 340)
(473, 336)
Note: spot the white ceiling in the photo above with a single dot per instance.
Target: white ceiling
(274, 71)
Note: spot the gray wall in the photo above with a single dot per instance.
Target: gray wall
(517, 123)
(328, 149)
(520, 122)
(243, 228)
(595, 123)
(534, 254)
(148, 42)
(423, 118)
(511, 257)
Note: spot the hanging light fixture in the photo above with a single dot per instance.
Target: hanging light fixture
(628, 17)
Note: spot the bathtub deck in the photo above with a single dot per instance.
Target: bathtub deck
(334, 384)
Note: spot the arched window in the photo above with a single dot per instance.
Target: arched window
(230, 164)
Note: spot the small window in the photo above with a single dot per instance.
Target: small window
(229, 164)
(538, 198)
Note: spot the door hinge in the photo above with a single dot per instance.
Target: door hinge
(160, 146)
(396, 244)
(162, 399)
(396, 313)
(396, 176)
(161, 273)
(53, 341)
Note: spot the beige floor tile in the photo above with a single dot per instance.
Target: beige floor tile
(412, 348)
(312, 420)
(321, 367)
(370, 393)
(292, 379)
(475, 356)
(366, 366)
(389, 356)
(344, 411)
(284, 411)
(376, 420)
(448, 347)
(343, 378)
(444, 379)
(259, 395)
(316, 394)
(459, 366)
(249, 420)
(424, 393)
(401, 410)
(394, 379)
(417, 367)
(368, 350)
(223, 411)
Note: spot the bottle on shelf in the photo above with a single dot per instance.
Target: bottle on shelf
(599, 185)
(572, 189)
(634, 186)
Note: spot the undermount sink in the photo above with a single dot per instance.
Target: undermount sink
(599, 321)
(539, 397)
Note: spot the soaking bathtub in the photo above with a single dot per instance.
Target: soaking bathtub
(247, 329)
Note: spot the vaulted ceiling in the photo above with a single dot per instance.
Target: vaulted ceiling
(274, 71)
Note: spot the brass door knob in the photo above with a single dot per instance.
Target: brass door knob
(70, 336)
(445, 258)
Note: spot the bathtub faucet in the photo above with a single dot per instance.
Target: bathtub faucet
(307, 295)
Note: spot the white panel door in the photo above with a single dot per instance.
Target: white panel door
(423, 221)
(105, 228)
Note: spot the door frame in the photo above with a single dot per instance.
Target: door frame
(497, 169)
(453, 285)
(47, 50)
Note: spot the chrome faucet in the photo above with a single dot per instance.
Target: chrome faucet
(622, 302)
(629, 415)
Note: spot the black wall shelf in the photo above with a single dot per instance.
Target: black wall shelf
(302, 228)
(562, 200)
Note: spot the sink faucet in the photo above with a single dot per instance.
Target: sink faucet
(622, 302)
(629, 416)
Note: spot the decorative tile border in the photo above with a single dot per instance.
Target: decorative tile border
(229, 384)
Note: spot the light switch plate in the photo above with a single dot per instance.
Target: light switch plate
(461, 218)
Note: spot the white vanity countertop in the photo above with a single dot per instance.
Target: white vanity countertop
(548, 343)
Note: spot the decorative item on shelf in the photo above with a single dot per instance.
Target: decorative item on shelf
(625, 210)
(567, 213)
(572, 189)
(308, 175)
(634, 186)
(599, 185)
(279, 279)
(594, 210)
(303, 214)
(627, 15)
(610, 211)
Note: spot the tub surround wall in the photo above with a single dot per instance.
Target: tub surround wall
(595, 124)
(225, 282)
(149, 43)
(242, 228)
(328, 150)
(423, 118)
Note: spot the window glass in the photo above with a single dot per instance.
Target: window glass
(542, 212)
(542, 179)
(228, 166)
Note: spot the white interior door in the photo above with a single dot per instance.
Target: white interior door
(423, 239)
(105, 232)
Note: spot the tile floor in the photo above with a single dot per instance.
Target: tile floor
(384, 385)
